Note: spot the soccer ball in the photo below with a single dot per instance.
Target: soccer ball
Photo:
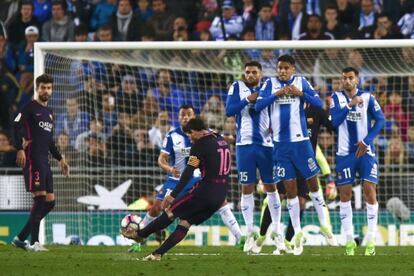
(131, 222)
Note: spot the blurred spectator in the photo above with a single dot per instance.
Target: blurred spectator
(356, 59)
(18, 24)
(332, 25)
(160, 129)
(249, 12)
(408, 97)
(383, 29)
(206, 36)
(81, 33)
(294, 22)
(233, 23)
(96, 128)
(104, 33)
(60, 27)
(96, 153)
(66, 149)
(10, 93)
(306, 58)
(410, 145)
(328, 60)
(162, 20)
(268, 60)
(229, 131)
(346, 13)
(266, 27)
(25, 61)
(126, 26)
(109, 117)
(102, 13)
(129, 99)
(167, 95)
(146, 154)
(7, 151)
(366, 16)
(394, 110)
(213, 113)
(395, 159)
(249, 34)
(7, 57)
(144, 9)
(406, 25)
(326, 142)
(73, 121)
(80, 11)
(121, 143)
(314, 7)
(42, 10)
(180, 29)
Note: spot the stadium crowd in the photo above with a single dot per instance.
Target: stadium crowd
(121, 113)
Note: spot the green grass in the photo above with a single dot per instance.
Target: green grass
(85, 260)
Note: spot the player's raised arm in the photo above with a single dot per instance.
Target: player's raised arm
(375, 110)
(338, 114)
(310, 95)
(233, 103)
(266, 97)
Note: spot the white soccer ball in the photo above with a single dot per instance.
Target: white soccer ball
(131, 221)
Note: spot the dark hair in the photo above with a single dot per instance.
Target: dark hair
(384, 14)
(45, 78)
(286, 58)
(265, 5)
(350, 69)
(26, 3)
(196, 124)
(253, 63)
(61, 3)
(82, 29)
(187, 106)
(331, 7)
(316, 16)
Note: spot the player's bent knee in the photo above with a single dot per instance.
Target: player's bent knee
(184, 223)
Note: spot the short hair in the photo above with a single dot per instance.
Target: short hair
(61, 3)
(44, 78)
(253, 63)
(26, 3)
(316, 16)
(187, 106)
(384, 14)
(196, 124)
(265, 5)
(350, 69)
(82, 29)
(105, 28)
(331, 7)
(286, 58)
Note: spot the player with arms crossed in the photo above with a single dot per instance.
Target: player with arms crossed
(211, 154)
(33, 148)
(254, 148)
(173, 159)
(351, 113)
(286, 96)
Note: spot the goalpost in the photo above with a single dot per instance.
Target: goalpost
(117, 89)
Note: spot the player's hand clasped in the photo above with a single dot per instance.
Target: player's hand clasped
(289, 90)
(166, 203)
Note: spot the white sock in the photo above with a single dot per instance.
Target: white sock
(147, 220)
(294, 212)
(345, 212)
(275, 210)
(372, 217)
(230, 221)
(319, 204)
(247, 207)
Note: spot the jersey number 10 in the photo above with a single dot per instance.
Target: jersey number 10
(225, 161)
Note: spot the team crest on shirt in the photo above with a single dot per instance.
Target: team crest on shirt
(312, 164)
(361, 104)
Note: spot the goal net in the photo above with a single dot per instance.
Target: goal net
(114, 103)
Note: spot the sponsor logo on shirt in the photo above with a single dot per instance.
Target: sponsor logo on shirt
(185, 151)
(354, 116)
(46, 126)
(286, 99)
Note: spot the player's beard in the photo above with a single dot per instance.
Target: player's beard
(44, 98)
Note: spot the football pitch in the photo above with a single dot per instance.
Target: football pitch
(104, 260)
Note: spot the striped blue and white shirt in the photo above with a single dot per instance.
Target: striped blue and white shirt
(355, 124)
(287, 113)
(177, 145)
(253, 127)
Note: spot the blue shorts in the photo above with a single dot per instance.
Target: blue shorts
(292, 156)
(276, 179)
(347, 166)
(170, 184)
(252, 157)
